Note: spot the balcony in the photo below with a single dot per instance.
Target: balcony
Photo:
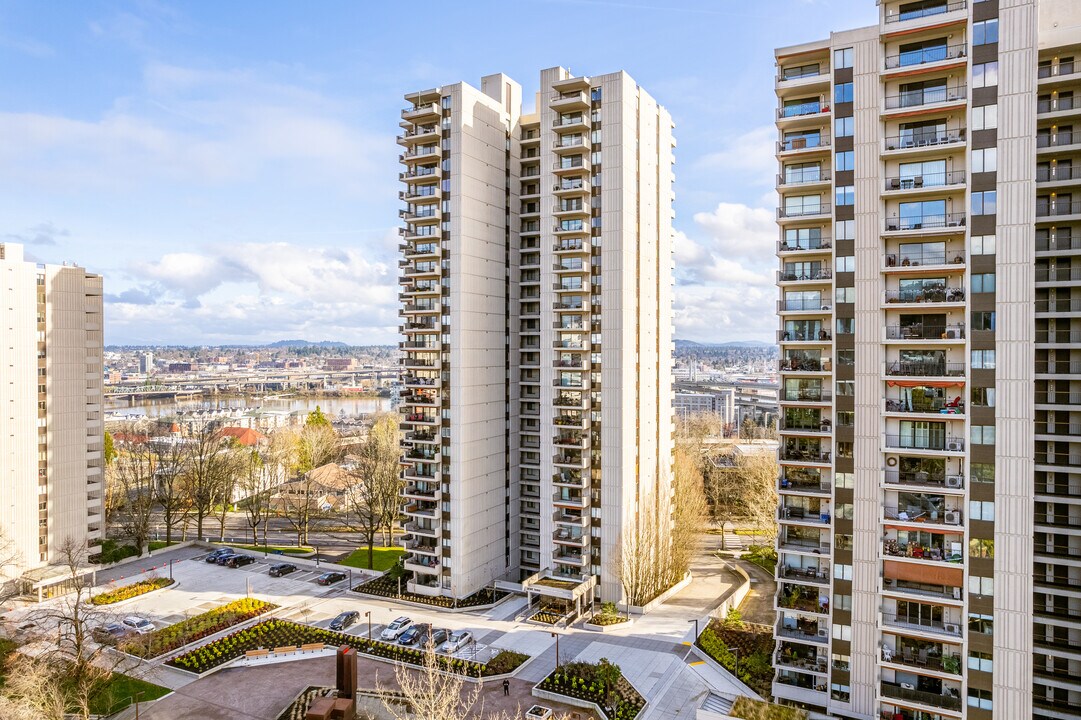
(797, 543)
(576, 520)
(801, 304)
(915, 58)
(817, 276)
(804, 176)
(927, 181)
(420, 152)
(568, 101)
(564, 536)
(1057, 208)
(420, 192)
(921, 332)
(423, 133)
(800, 514)
(929, 295)
(900, 144)
(804, 109)
(934, 221)
(576, 461)
(947, 517)
(927, 96)
(427, 529)
(805, 574)
(429, 112)
(793, 483)
(948, 701)
(905, 368)
(569, 479)
(813, 245)
(788, 336)
(570, 144)
(811, 632)
(796, 454)
(814, 395)
(1058, 104)
(567, 124)
(928, 656)
(951, 629)
(803, 145)
(1058, 275)
(570, 500)
(937, 444)
(1061, 139)
(804, 211)
(914, 551)
(930, 11)
(571, 187)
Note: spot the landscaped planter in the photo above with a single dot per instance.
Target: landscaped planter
(386, 587)
(196, 628)
(276, 633)
(130, 592)
(603, 624)
(593, 686)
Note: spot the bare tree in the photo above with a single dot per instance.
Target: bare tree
(372, 498)
(208, 465)
(133, 471)
(316, 445)
(11, 564)
(642, 556)
(689, 510)
(257, 483)
(33, 690)
(234, 458)
(431, 693)
(170, 489)
(742, 487)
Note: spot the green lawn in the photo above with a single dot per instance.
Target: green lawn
(119, 691)
(160, 544)
(383, 558)
(286, 549)
(6, 648)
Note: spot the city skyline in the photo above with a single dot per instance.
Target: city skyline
(153, 147)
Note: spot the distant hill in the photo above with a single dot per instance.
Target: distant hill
(691, 344)
(306, 344)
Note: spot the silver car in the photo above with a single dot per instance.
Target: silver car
(457, 640)
(396, 628)
(138, 624)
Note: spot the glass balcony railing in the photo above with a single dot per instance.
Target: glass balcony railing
(926, 55)
(916, 11)
(927, 180)
(928, 221)
(927, 96)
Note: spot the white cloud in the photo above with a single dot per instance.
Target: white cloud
(750, 156)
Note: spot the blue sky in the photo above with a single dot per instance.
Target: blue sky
(231, 167)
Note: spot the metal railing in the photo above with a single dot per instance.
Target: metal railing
(1058, 274)
(1057, 104)
(925, 369)
(939, 179)
(821, 208)
(804, 176)
(892, 690)
(1055, 139)
(807, 142)
(926, 295)
(924, 479)
(1060, 367)
(927, 96)
(946, 517)
(804, 455)
(931, 138)
(807, 395)
(908, 442)
(799, 304)
(926, 222)
(926, 12)
(1045, 208)
(1059, 173)
(789, 336)
(816, 244)
(920, 332)
(820, 274)
(1063, 68)
(813, 107)
(926, 55)
(923, 256)
(804, 364)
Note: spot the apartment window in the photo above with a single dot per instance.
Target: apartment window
(981, 548)
(842, 127)
(842, 93)
(983, 320)
(842, 602)
(982, 472)
(981, 510)
(984, 203)
(844, 480)
(445, 102)
(842, 632)
(985, 117)
(846, 418)
(983, 359)
(845, 357)
(846, 388)
(845, 263)
(985, 160)
(983, 283)
(595, 94)
(982, 435)
(985, 32)
(842, 542)
(983, 586)
(841, 662)
(839, 692)
(985, 74)
(845, 195)
(983, 397)
(844, 510)
(842, 58)
(846, 230)
(983, 624)
(842, 572)
(595, 137)
(846, 295)
(983, 244)
(844, 161)
(979, 698)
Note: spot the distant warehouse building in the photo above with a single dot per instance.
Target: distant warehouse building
(721, 402)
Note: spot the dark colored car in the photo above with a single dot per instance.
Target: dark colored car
(279, 569)
(224, 559)
(438, 637)
(415, 635)
(330, 578)
(110, 634)
(344, 620)
(220, 552)
(236, 561)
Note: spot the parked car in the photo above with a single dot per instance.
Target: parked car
(457, 640)
(110, 634)
(344, 620)
(236, 561)
(330, 578)
(138, 624)
(438, 637)
(214, 555)
(279, 569)
(415, 635)
(224, 558)
(396, 628)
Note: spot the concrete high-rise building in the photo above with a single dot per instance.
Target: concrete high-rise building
(50, 407)
(930, 527)
(536, 309)
(146, 363)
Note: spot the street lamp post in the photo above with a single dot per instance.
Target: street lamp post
(735, 651)
(136, 698)
(316, 554)
(695, 638)
(556, 636)
(368, 615)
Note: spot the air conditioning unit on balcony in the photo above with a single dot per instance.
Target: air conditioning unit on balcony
(953, 629)
(953, 517)
(955, 445)
(954, 481)
(823, 632)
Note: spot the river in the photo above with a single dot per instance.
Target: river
(332, 406)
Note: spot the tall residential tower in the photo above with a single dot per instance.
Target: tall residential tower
(536, 308)
(930, 520)
(50, 407)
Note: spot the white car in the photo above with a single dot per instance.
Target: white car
(138, 624)
(457, 640)
(396, 628)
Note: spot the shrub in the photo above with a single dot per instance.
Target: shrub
(764, 556)
(386, 585)
(195, 628)
(127, 592)
(112, 552)
(601, 683)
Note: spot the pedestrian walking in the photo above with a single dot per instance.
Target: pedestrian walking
(506, 686)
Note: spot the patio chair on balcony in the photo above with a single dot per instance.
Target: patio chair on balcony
(907, 652)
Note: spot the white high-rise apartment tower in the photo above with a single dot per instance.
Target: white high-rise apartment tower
(50, 407)
(930, 252)
(536, 308)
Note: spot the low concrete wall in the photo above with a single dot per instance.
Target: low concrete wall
(736, 596)
(655, 602)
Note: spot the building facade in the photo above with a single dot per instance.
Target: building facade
(536, 310)
(51, 431)
(928, 522)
